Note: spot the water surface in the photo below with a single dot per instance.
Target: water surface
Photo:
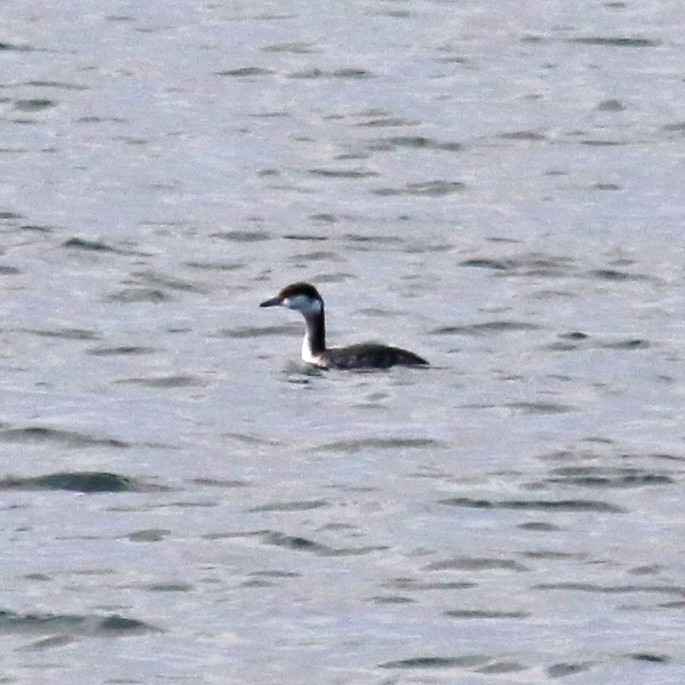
(492, 186)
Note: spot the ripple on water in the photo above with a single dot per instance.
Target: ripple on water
(149, 535)
(484, 263)
(246, 72)
(356, 445)
(576, 340)
(567, 505)
(411, 584)
(301, 544)
(607, 477)
(89, 245)
(527, 264)
(334, 74)
(169, 587)
(153, 287)
(259, 331)
(320, 218)
(617, 42)
(629, 344)
(15, 47)
(66, 333)
(130, 295)
(293, 48)
(651, 658)
(434, 662)
(540, 407)
(170, 381)
(72, 624)
(79, 481)
(611, 105)
(539, 526)
(155, 278)
(34, 104)
(676, 590)
(304, 505)
(121, 350)
(377, 239)
(343, 173)
(476, 564)
(59, 85)
(297, 543)
(221, 483)
(40, 434)
(387, 120)
(413, 142)
(566, 669)
(242, 236)
(531, 136)
(480, 663)
(484, 614)
(486, 328)
(48, 643)
(215, 266)
(532, 408)
(616, 275)
(426, 188)
(9, 271)
(321, 256)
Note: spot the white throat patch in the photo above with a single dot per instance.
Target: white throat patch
(308, 357)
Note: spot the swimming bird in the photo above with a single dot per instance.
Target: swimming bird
(305, 298)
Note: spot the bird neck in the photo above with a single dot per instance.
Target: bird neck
(314, 342)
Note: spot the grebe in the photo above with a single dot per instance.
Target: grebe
(305, 298)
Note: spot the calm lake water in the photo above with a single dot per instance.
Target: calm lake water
(497, 186)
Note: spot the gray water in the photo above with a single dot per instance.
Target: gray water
(497, 186)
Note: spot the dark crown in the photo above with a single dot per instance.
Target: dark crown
(305, 289)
